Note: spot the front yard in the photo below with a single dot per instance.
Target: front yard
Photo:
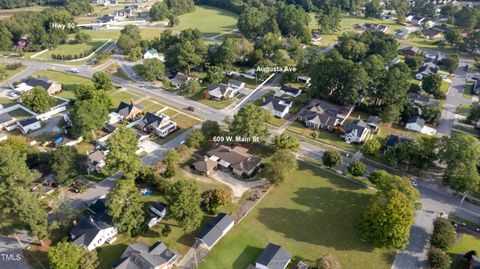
(312, 214)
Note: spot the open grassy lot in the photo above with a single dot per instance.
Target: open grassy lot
(9, 73)
(209, 20)
(183, 121)
(311, 214)
(445, 86)
(7, 13)
(5, 102)
(464, 110)
(123, 96)
(384, 131)
(150, 33)
(69, 81)
(109, 34)
(150, 106)
(72, 49)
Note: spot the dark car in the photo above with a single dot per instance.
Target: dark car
(191, 108)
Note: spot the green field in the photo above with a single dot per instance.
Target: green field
(7, 13)
(9, 73)
(311, 214)
(124, 96)
(68, 81)
(467, 243)
(72, 49)
(209, 20)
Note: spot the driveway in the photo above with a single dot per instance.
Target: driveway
(11, 255)
(238, 187)
(101, 189)
(454, 99)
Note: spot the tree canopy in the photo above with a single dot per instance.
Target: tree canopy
(184, 204)
(38, 100)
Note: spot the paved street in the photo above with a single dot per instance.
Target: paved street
(454, 99)
(11, 255)
(101, 189)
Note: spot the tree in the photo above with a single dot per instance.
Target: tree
(356, 168)
(250, 122)
(171, 162)
(82, 37)
(151, 69)
(466, 18)
(87, 92)
(444, 234)
(191, 87)
(87, 116)
(195, 139)
(386, 221)
(373, 9)
(414, 62)
(102, 81)
(122, 144)
(184, 204)
(454, 37)
(385, 182)
(210, 128)
(438, 259)
(371, 147)
(179, 7)
(450, 63)
(284, 141)
(252, 22)
(353, 50)
(227, 53)
(401, 7)
(212, 199)
(328, 261)
(474, 114)
(281, 165)
(328, 20)
(472, 41)
(331, 158)
(431, 114)
(159, 11)
(215, 74)
(37, 99)
(432, 84)
(66, 255)
(461, 154)
(390, 113)
(66, 164)
(124, 205)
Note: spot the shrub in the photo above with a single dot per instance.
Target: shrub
(331, 158)
(356, 168)
(438, 259)
(443, 235)
(166, 230)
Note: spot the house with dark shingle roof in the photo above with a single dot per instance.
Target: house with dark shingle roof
(142, 256)
(278, 106)
(124, 111)
(160, 125)
(410, 51)
(236, 159)
(235, 84)
(421, 100)
(179, 80)
(392, 140)
(205, 166)
(27, 125)
(273, 257)
(356, 132)
(374, 123)
(427, 69)
(320, 114)
(215, 230)
(294, 92)
(95, 230)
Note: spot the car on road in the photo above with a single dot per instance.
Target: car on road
(136, 76)
(74, 70)
(414, 183)
(191, 108)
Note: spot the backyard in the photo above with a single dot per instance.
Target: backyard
(69, 81)
(209, 20)
(326, 208)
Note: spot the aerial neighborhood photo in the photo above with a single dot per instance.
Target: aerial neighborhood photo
(239, 134)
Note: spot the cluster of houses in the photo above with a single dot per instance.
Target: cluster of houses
(430, 65)
(119, 15)
(373, 27)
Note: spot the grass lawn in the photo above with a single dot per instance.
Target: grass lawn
(423, 43)
(150, 33)
(464, 110)
(467, 92)
(467, 243)
(183, 121)
(384, 131)
(5, 102)
(72, 49)
(324, 206)
(123, 96)
(150, 106)
(445, 86)
(276, 121)
(110, 34)
(69, 81)
(209, 20)
(7, 13)
(19, 114)
(331, 138)
(9, 73)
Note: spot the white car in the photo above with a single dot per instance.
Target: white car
(74, 70)
(414, 183)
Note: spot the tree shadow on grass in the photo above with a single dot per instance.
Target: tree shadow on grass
(109, 254)
(329, 220)
(329, 177)
(248, 256)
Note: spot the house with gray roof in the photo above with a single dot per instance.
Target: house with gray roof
(427, 69)
(94, 230)
(6, 120)
(273, 257)
(160, 125)
(179, 80)
(27, 125)
(417, 124)
(217, 229)
(294, 92)
(278, 106)
(374, 123)
(320, 114)
(356, 132)
(235, 84)
(421, 100)
(142, 256)
(221, 91)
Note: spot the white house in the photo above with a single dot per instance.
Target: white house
(160, 125)
(27, 125)
(356, 132)
(417, 124)
(279, 107)
(235, 84)
(220, 91)
(95, 230)
(217, 229)
(153, 54)
(273, 257)
(304, 79)
(159, 211)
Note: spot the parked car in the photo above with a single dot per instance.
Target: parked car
(79, 187)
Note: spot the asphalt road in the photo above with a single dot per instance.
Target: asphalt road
(454, 99)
